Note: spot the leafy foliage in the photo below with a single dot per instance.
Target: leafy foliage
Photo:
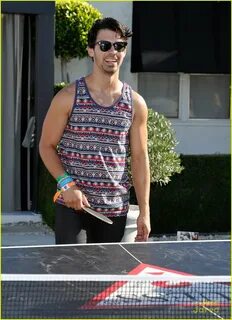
(58, 86)
(164, 161)
(74, 18)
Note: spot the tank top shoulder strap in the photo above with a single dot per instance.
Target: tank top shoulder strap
(81, 90)
(127, 94)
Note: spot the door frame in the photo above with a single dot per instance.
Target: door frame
(44, 12)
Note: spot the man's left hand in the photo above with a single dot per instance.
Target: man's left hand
(143, 228)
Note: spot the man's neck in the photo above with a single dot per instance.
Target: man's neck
(104, 82)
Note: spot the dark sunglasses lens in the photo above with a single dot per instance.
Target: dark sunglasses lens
(120, 46)
(105, 45)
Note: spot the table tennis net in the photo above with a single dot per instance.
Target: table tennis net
(111, 296)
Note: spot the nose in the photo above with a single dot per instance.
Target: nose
(112, 49)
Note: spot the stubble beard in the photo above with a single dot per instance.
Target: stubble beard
(110, 71)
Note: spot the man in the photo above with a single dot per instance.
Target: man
(91, 127)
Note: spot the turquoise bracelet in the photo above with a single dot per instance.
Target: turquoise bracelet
(61, 177)
(64, 182)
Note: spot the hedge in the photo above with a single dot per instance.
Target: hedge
(196, 200)
(47, 189)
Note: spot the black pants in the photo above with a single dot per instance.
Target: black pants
(73, 226)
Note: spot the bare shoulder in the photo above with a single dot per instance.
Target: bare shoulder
(140, 106)
(67, 90)
(64, 98)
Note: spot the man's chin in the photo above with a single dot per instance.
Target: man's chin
(110, 71)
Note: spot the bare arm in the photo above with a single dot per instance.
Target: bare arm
(140, 166)
(53, 128)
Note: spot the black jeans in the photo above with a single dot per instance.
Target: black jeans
(73, 226)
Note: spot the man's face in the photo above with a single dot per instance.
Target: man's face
(108, 61)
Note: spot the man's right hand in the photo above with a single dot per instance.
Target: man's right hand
(75, 199)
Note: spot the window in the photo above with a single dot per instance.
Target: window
(186, 96)
(161, 92)
(209, 96)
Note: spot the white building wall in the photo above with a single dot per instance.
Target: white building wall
(194, 136)
(202, 136)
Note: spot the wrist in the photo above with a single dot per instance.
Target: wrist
(65, 182)
(144, 207)
(68, 186)
(144, 211)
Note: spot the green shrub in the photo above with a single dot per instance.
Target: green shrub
(59, 86)
(74, 18)
(164, 161)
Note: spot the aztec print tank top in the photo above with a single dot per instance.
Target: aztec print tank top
(94, 150)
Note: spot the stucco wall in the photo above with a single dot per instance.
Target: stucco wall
(202, 136)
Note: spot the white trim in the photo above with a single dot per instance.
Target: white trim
(110, 277)
(201, 122)
(184, 96)
(209, 74)
(115, 243)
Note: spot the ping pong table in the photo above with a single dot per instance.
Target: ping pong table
(55, 299)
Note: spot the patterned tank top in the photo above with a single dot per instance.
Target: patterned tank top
(94, 150)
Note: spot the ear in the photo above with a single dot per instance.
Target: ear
(90, 52)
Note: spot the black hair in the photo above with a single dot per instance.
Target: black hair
(107, 23)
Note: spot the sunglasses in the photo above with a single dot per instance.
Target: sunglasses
(107, 45)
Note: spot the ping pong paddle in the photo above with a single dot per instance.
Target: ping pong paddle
(98, 215)
(89, 210)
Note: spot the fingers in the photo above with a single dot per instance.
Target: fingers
(140, 238)
(142, 234)
(75, 199)
(143, 228)
(85, 201)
